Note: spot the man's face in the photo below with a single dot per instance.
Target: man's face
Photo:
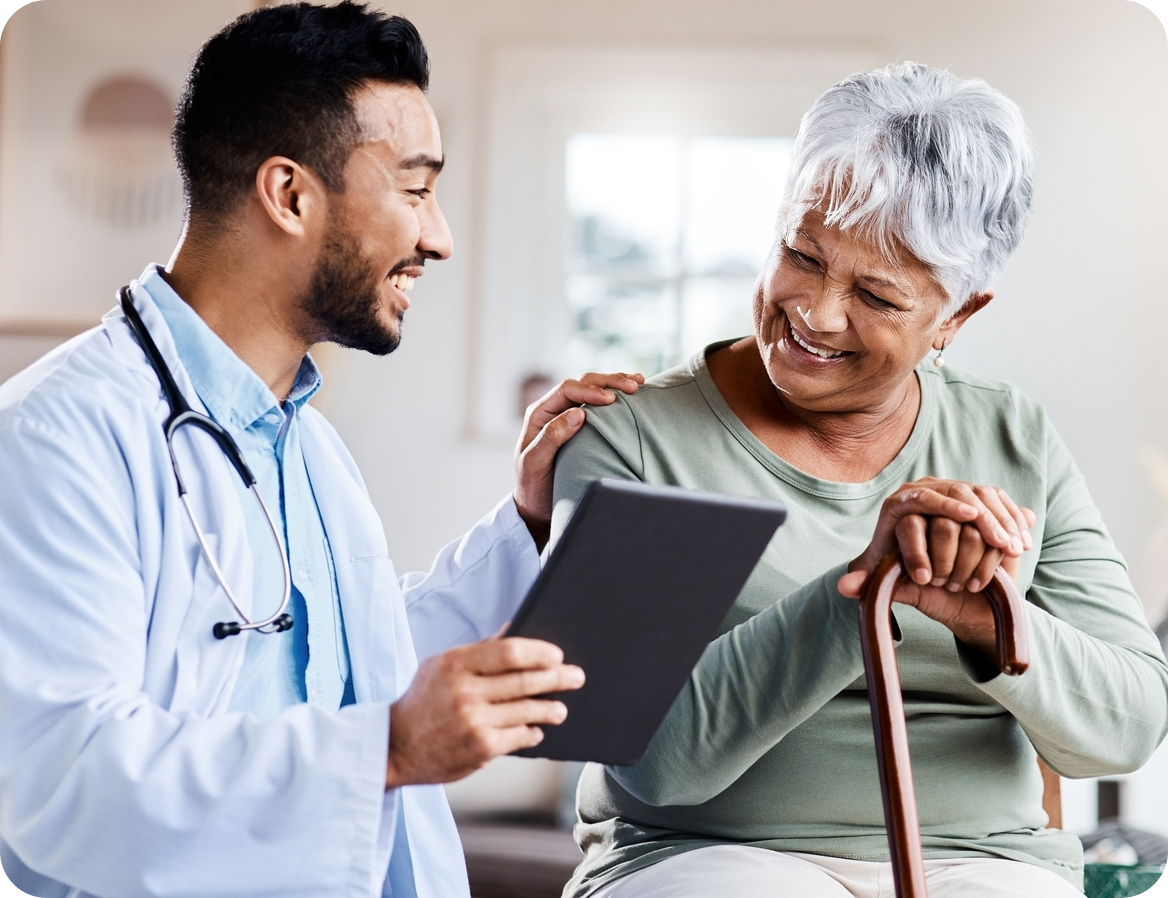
(385, 225)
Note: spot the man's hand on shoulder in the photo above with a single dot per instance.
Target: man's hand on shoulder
(474, 703)
(548, 424)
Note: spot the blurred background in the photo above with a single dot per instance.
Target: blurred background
(614, 167)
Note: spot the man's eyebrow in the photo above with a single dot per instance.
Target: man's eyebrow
(422, 160)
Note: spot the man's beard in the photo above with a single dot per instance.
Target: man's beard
(342, 299)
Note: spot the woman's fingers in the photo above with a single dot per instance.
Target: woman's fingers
(944, 528)
(913, 540)
(930, 502)
(916, 500)
(1008, 515)
(1024, 518)
(1000, 521)
(972, 553)
(993, 522)
(851, 583)
(944, 538)
(984, 572)
(952, 538)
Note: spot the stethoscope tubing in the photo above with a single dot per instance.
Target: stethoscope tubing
(181, 414)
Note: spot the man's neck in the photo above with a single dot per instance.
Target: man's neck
(252, 310)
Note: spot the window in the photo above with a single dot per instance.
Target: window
(628, 203)
(667, 236)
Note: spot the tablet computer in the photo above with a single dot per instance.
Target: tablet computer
(633, 593)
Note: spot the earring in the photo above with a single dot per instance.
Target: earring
(939, 358)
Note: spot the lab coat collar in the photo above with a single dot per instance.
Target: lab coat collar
(234, 395)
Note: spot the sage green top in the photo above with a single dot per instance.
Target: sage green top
(770, 742)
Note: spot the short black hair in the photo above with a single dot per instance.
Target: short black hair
(278, 81)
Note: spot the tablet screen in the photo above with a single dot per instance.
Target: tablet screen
(633, 592)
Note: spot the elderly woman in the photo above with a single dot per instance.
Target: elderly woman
(909, 190)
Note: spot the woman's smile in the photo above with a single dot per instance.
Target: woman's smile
(806, 351)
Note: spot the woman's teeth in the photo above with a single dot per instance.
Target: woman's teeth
(822, 353)
(402, 282)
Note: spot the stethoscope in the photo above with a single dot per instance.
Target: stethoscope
(181, 414)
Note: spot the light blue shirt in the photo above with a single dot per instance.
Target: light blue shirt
(310, 662)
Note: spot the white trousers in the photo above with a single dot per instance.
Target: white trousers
(741, 871)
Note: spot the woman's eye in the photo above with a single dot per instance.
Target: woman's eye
(801, 259)
(875, 301)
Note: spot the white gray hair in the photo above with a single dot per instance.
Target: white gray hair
(915, 158)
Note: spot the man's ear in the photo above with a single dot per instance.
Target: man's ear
(291, 195)
(953, 324)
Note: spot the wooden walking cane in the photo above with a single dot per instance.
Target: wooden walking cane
(896, 785)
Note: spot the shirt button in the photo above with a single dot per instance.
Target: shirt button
(272, 418)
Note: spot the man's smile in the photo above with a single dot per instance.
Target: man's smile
(402, 281)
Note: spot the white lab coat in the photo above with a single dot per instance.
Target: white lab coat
(121, 774)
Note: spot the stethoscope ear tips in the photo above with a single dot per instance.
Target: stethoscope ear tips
(282, 623)
(223, 630)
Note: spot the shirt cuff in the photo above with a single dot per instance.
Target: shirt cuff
(373, 843)
(506, 514)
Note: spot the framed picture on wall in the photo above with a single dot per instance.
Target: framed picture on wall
(89, 194)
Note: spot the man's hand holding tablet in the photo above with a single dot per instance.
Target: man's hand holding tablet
(473, 703)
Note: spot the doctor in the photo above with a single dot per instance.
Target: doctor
(141, 754)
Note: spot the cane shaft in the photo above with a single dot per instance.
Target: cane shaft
(892, 752)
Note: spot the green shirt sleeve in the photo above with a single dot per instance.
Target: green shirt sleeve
(1095, 699)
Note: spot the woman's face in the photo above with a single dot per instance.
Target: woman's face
(840, 329)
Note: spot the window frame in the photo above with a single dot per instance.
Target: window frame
(537, 97)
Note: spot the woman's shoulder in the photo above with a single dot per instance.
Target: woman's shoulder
(974, 410)
(960, 385)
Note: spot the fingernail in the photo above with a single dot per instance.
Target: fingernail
(575, 416)
(921, 575)
(561, 711)
(938, 581)
(1016, 545)
(577, 676)
(953, 587)
(973, 585)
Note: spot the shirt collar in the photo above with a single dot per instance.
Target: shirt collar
(235, 396)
